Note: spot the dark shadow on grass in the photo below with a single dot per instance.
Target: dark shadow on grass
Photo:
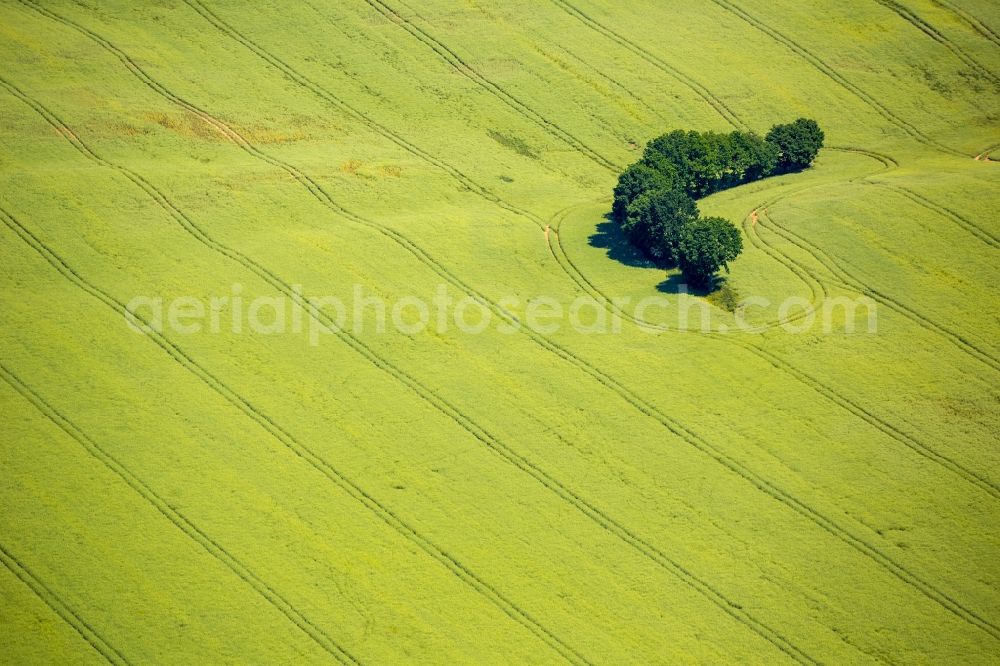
(676, 283)
(609, 237)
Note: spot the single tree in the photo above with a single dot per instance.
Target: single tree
(797, 143)
(633, 182)
(705, 246)
(654, 222)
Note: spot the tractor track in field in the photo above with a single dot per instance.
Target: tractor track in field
(803, 273)
(851, 283)
(181, 522)
(817, 289)
(701, 91)
(848, 282)
(343, 106)
(844, 278)
(309, 183)
(985, 155)
(866, 549)
(272, 428)
(840, 80)
(717, 598)
(596, 515)
(891, 163)
(923, 26)
(610, 80)
(462, 67)
(442, 51)
(970, 20)
(733, 609)
(61, 608)
(862, 546)
(302, 81)
(960, 220)
(574, 273)
(341, 480)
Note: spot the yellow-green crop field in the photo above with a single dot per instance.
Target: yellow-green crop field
(204, 458)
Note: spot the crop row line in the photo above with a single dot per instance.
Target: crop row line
(832, 74)
(970, 20)
(181, 522)
(730, 607)
(266, 422)
(60, 607)
(701, 91)
(622, 391)
(466, 70)
(850, 283)
(923, 26)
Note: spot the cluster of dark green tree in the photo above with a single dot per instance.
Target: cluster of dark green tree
(655, 197)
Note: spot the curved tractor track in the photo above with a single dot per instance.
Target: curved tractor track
(847, 404)
(596, 515)
(817, 288)
(844, 278)
(866, 549)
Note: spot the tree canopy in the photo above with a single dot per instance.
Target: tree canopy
(636, 179)
(706, 245)
(798, 143)
(654, 200)
(654, 221)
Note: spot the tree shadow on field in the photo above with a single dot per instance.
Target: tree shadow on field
(608, 236)
(676, 283)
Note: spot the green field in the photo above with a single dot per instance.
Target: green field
(652, 493)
